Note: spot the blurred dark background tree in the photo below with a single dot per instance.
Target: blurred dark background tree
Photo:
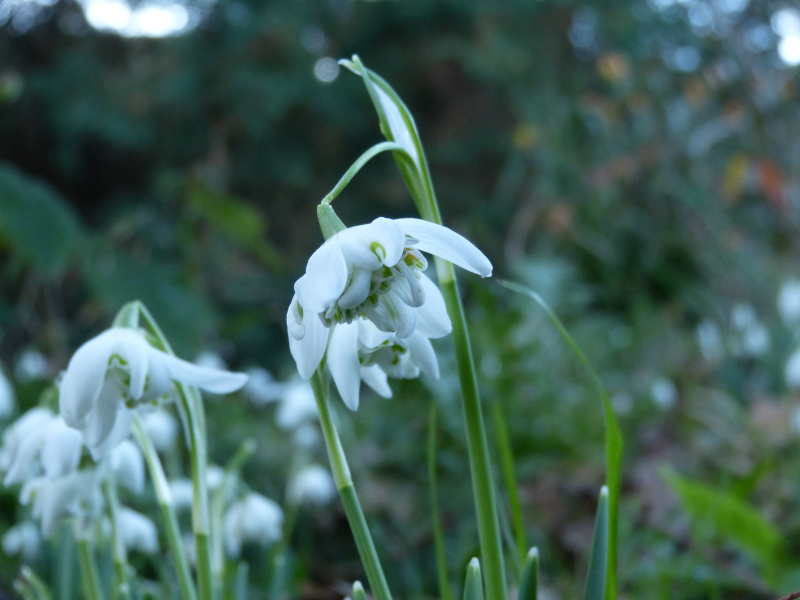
(634, 161)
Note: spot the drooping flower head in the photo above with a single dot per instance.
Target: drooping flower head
(375, 272)
(113, 372)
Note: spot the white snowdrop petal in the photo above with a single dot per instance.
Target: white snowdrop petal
(84, 377)
(211, 380)
(447, 244)
(369, 335)
(6, 396)
(294, 322)
(423, 355)
(397, 124)
(127, 463)
(343, 363)
(377, 379)
(100, 421)
(358, 289)
(61, 453)
(432, 318)
(308, 352)
(139, 533)
(132, 347)
(123, 423)
(325, 279)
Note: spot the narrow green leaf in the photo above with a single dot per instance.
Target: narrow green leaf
(473, 586)
(38, 586)
(598, 560)
(613, 441)
(529, 582)
(729, 517)
(358, 591)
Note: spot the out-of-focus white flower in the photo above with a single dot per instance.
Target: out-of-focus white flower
(6, 396)
(261, 388)
(297, 405)
(375, 272)
(792, 371)
(789, 302)
(255, 519)
(664, 393)
(360, 351)
(73, 494)
(162, 428)
(215, 475)
(127, 463)
(37, 442)
(313, 484)
(622, 402)
(211, 360)
(31, 365)
(753, 335)
(137, 531)
(23, 540)
(306, 435)
(794, 420)
(709, 339)
(117, 368)
(182, 492)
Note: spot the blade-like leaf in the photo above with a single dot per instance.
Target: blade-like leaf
(473, 586)
(529, 582)
(613, 441)
(598, 560)
(358, 591)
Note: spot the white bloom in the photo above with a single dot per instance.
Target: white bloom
(306, 436)
(182, 493)
(73, 494)
(162, 428)
(252, 519)
(789, 302)
(753, 335)
(117, 368)
(792, 371)
(6, 396)
(664, 393)
(23, 540)
(297, 405)
(375, 272)
(215, 475)
(313, 484)
(261, 388)
(137, 531)
(31, 365)
(127, 463)
(361, 351)
(211, 360)
(709, 339)
(37, 442)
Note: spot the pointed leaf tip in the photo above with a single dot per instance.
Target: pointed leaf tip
(529, 581)
(358, 591)
(473, 586)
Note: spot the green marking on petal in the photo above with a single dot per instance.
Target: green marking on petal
(378, 250)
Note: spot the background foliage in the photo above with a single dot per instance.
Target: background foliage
(636, 163)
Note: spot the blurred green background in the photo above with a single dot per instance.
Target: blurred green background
(635, 162)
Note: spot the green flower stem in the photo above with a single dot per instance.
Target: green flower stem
(418, 180)
(438, 536)
(121, 588)
(192, 405)
(358, 165)
(89, 577)
(480, 466)
(510, 479)
(344, 483)
(164, 496)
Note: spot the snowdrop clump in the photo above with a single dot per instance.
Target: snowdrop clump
(366, 300)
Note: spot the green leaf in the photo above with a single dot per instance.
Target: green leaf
(613, 441)
(729, 517)
(358, 591)
(597, 577)
(36, 223)
(529, 582)
(473, 586)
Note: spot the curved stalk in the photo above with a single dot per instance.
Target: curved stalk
(121, 588)
(89, 576)
(344, 483)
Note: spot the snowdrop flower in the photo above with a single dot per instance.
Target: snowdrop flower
(261, 388)
(792, 371)
(127, 464)
(360, 350)
(664, 393)
(313, 484)
(162, 428)
(137, 531)
(39, 441)
(182, 493)
(789, 302)
(23, 540)
(211, 360)
(31, 365)
(306, 436)
(709, 339)
(6, 396)
(297, 405)
(113, 372)
(754, 337)
(73, 494)
(375, 272)
(252, 519)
